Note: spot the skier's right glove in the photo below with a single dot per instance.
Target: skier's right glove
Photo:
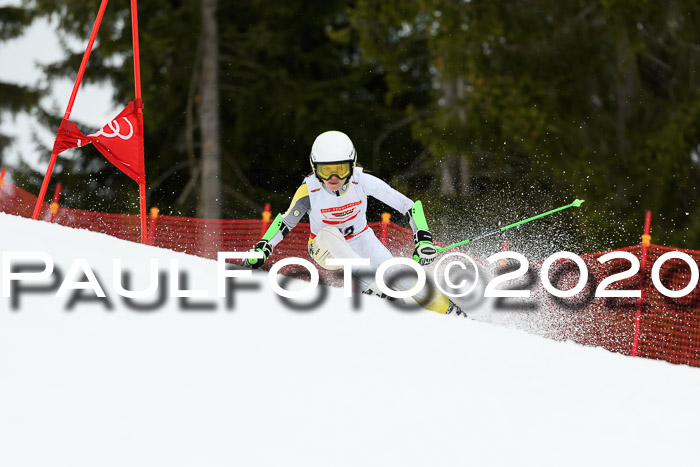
(264, 247)
(424, 252)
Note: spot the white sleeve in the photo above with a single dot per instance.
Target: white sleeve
(379, 189)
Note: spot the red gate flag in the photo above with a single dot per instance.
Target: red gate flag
(120, 141)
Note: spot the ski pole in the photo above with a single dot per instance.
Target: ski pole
(576, 203)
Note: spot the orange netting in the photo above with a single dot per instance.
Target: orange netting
(654, 326)
(670, 327)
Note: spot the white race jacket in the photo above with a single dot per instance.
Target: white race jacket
(345, 209)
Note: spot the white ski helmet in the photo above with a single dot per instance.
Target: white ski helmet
(332, 147)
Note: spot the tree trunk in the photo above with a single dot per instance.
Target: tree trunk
(447, 179)
(463, 160)
(626, 93)
(455, 167)
(209, 206)
(463, 175)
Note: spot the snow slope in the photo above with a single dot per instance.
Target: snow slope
(262, 385)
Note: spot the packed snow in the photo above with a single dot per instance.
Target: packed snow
(96, 382)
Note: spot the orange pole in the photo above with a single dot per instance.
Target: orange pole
(54, 204)
(69, 108)
(646, 241)
(505, 247)
(386, 218)
(152, 231)
(266, 215)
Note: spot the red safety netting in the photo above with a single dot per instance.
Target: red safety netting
(14, 200)
(670, 327)
(654, 326)
(585, 318)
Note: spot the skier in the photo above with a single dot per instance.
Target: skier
(335, 197)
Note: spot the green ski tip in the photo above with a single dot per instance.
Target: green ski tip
(577, 203)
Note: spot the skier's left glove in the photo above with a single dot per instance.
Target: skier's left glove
(264, 247)
(424, 252)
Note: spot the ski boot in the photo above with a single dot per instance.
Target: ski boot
(454, 308)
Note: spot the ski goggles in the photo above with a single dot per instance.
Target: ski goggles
(340, 169)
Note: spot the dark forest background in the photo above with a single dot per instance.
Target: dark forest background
(487, 111)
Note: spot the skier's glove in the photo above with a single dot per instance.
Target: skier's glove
(265, 248)
(424, 252)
